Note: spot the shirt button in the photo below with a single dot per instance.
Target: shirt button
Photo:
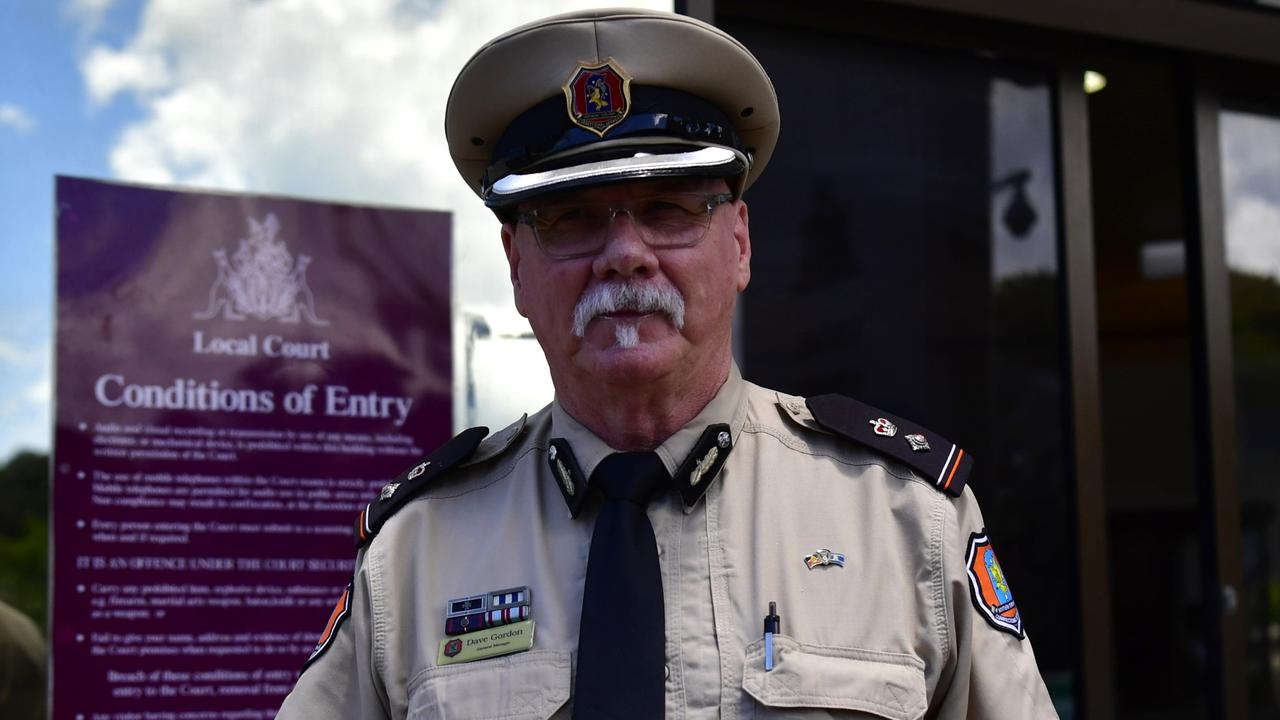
(666, 671)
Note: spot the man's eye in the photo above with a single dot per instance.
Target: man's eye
(554, 216)
(668, 211)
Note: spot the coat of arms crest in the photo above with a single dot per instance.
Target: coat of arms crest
(261, 280)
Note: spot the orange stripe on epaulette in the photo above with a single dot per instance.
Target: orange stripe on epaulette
(954, 467)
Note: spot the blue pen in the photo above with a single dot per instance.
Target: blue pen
(771, 625)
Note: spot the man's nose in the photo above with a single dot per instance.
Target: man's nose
(625, 252)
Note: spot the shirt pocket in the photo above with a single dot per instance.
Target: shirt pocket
(820, 681)
(526, 686)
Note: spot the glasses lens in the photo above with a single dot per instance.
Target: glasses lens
(667, 220)
(673, 220)
(567, 231)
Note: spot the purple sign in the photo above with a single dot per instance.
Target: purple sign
(236, 376)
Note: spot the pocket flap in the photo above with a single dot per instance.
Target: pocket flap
(526, 686)
(890, 685)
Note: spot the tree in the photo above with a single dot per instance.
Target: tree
(24, 534)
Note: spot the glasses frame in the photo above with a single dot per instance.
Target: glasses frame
(530, 218)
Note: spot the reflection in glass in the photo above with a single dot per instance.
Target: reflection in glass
(1153, 500)
(1250, 147)
(905, 253)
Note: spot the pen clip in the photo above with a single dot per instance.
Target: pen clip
(772, 624)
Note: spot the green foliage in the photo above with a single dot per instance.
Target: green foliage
(24, 569)
(1255, 315)
(24, 491)
(24, 534)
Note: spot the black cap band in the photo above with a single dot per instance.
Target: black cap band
(546, 131)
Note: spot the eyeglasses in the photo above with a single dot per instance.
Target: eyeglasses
(666, 220)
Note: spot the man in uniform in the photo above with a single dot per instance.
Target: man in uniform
(685, 543)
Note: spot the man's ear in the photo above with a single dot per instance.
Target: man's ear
(742, 234)
(512, 250)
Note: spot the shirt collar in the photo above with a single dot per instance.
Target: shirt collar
(728, 406)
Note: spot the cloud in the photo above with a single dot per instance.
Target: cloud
(1253, 236)
(1251, 190)
(15, 355)
(22, 433)
(16, 118)
(40, 392)
(1250, 156)
(25, 393)
(88, 13)
(88, 8)
(319, 98)
(108, 72)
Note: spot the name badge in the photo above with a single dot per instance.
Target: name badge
(503, 640)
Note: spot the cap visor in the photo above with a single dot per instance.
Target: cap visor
(710, 161)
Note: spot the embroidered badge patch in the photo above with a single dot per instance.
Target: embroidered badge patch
(340, 613)
(598, 96)
(988, 587)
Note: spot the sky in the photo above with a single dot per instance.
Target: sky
(1251, 191)
(325, 99)
(332, 100)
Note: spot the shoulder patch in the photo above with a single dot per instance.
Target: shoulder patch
(340, 613)
(988, 587)
(938, 459)
(397, 493)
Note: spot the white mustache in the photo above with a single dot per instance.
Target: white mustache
(630, 297)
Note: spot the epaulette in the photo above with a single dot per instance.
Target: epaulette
(941, 461)
(397, 493)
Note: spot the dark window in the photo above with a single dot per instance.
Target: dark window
(1156, 522)
(905, 241)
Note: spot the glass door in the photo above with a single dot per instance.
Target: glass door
(1249, 145)
(1151, 453)
(907, 253)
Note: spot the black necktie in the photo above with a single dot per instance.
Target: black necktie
(622, 638)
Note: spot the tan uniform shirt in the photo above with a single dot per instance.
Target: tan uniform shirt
(892, 634)
(22, 666)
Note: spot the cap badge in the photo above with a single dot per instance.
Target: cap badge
(598, 96)
(882, 426)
